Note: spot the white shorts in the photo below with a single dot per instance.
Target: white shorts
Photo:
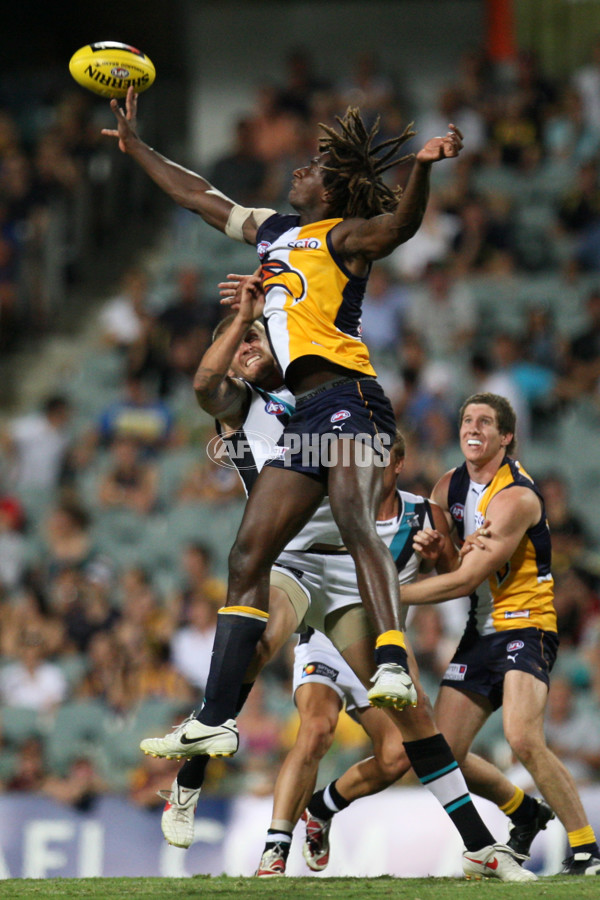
(329, 579)
(317, 662)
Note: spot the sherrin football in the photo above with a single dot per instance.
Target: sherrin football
(109, 68)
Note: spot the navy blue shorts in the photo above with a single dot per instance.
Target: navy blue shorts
(481, 662)
(356, 409)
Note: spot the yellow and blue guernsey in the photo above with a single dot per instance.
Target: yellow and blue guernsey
(521, 594)
(313, 303)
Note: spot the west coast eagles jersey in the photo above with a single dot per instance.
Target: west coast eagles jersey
(313, 303)
(521, 594)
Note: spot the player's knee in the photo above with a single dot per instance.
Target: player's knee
(265, 650)
(392, 761)
(524, 744)
(316, 735)
(245, 559)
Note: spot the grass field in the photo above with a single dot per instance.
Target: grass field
(223, 888)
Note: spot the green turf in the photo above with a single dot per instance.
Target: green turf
(222, 888)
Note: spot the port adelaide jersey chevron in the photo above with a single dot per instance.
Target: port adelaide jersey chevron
(313, 303)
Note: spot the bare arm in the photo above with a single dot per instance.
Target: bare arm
(217, 392)
(375, 238)
(185, 187)
(512, 513)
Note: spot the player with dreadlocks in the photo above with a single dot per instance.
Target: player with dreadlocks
(313, 273)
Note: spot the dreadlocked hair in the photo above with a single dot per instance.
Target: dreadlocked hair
(353, 176)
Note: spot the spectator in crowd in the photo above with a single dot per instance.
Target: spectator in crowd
(66, 541)
(198, 580)
(124, 319)
(586, 80)
(29, 773)
(33, 681)
(429, 246)
(566, 133)
(240, 172)
(442, 312)
(191, 644)
(576, 604)
(37, 444)
(384, 310)
(80, 788)
(209, 482)
(131, 482)
(139, 415)
(570, 534)
(584, 351)
(573, 732)
(13, 552)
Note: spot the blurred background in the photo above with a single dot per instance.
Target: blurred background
(114, 524)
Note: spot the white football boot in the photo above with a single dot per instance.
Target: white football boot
(177, 822)
(192, 738)
(392, 687)
(496, 861)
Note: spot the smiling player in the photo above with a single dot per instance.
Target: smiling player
(509, 646)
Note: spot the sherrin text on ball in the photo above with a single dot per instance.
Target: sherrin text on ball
(109, 68)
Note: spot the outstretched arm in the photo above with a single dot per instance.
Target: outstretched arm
(377, 237)
(217, 392)
(185, 187)
(512, 513)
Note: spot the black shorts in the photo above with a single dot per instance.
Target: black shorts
(354, 408)
(481, 662)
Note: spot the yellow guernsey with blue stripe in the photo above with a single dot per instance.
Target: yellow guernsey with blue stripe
(521, 594)
(313, 303)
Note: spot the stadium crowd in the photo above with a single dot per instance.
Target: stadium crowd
(114, 523)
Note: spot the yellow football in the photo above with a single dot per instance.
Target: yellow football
(109, 68)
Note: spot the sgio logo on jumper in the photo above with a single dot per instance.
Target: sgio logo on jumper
(305, 244)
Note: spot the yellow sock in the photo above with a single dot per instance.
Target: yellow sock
(581, 836)
(514, 802)
(391, 637)
(250, 611)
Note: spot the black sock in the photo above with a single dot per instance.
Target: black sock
(525, 811)
(283, 838)
(243, 696)
(326, 803)
(391, 653)
(191, 774)
(436, 768)
(235, 641)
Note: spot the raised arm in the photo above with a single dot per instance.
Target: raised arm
(377, 237)
(217, 392)
(186, 188)
(512, 513)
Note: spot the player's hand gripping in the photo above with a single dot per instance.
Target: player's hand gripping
(428, 543)
(244, 295)
(442, 147)
(126, 130)
(476, 540)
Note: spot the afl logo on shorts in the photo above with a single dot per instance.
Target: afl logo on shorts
(340, 415)
(514, 645)
(457, 511)
(262, 248)
(274, 408)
